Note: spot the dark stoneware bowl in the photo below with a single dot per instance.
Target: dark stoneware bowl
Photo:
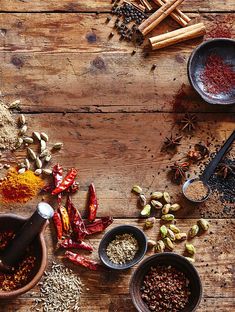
(166, 258)
(14, 223)
(109, 236)
(225, 48)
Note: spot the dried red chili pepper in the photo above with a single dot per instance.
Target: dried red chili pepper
(58, 224)
(76, 221)
(57, 173)
(83, 261)
(65, 218)
(99, 225)
(93, 203)
(69, 243)
(66, 182)
(73, 188)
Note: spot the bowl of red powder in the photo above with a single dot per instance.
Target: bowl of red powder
(31, 266)
(211, 71)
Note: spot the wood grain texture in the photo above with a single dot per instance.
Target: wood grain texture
(102, 5)
(64, 62)
(116, 151)
(109, 292)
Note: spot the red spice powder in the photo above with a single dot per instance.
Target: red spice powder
(22, 273)
(217, 76)
(221, 27)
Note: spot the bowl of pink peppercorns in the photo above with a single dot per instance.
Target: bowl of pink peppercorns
(166, 282)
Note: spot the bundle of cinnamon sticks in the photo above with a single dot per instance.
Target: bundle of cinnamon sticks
(170, 7)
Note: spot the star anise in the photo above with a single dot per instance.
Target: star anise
(189, 122)
(194, 155)
(172, 142)
(202, 149)
(225, 170)
(179, 170)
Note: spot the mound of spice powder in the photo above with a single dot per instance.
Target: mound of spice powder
(164, 289)
(217, 76)
(22, 273)
(122, 249)
(196, 190)
(20, 187)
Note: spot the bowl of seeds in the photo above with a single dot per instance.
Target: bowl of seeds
(166, 282)
(122, 247)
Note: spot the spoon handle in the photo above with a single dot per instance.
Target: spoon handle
(214, 162)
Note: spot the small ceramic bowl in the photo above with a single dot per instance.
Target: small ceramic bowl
(109, 236)
(175, 260)
(225, 48)
(14, 223)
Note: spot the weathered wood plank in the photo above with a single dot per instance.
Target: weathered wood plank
(84, 32)
(109, 292)
(117, 151)
(102, 5)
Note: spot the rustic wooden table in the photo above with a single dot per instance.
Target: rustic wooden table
(112, 113)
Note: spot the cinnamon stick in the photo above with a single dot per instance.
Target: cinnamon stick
(177, 36)
(158, 16)
(146, 4)
(177, 15)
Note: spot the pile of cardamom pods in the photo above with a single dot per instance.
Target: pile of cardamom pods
(37, 160)
(169, 234)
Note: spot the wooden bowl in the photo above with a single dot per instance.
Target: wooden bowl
(109, 236)
(13, 222)
(166, 258)
(225, 48)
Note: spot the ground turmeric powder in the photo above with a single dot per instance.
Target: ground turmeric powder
(20, 187)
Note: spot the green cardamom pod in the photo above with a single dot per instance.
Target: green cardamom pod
(193, 231)
(160, 246)
(174, 228)
(156, 204)
(171, 235)
(180, 236)
(175, 207)
(137, 189)
(168, 217)
(167, 197)
(156, 195)
(163, 231)
(166, 209)
(204, 224)
(190, 249)
(168, 243)
(145, 212)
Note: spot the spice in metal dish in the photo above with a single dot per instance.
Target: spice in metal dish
(122, 249)
(60, 290)
(18, 187)
(218, 76)
(196, 190)
(165, 288)
(23, 272)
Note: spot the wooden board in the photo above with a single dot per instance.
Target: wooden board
(116, 151)
(214, 261)
(102, 5)
(113, 113)
(52, 62)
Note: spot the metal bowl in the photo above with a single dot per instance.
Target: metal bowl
(180, 263)
(14, 223)
(225, 48)
(118, 230)
(190, 181)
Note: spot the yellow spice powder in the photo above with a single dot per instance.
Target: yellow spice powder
(20, 187)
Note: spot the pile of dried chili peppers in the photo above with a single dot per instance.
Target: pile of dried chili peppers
(70, 227)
